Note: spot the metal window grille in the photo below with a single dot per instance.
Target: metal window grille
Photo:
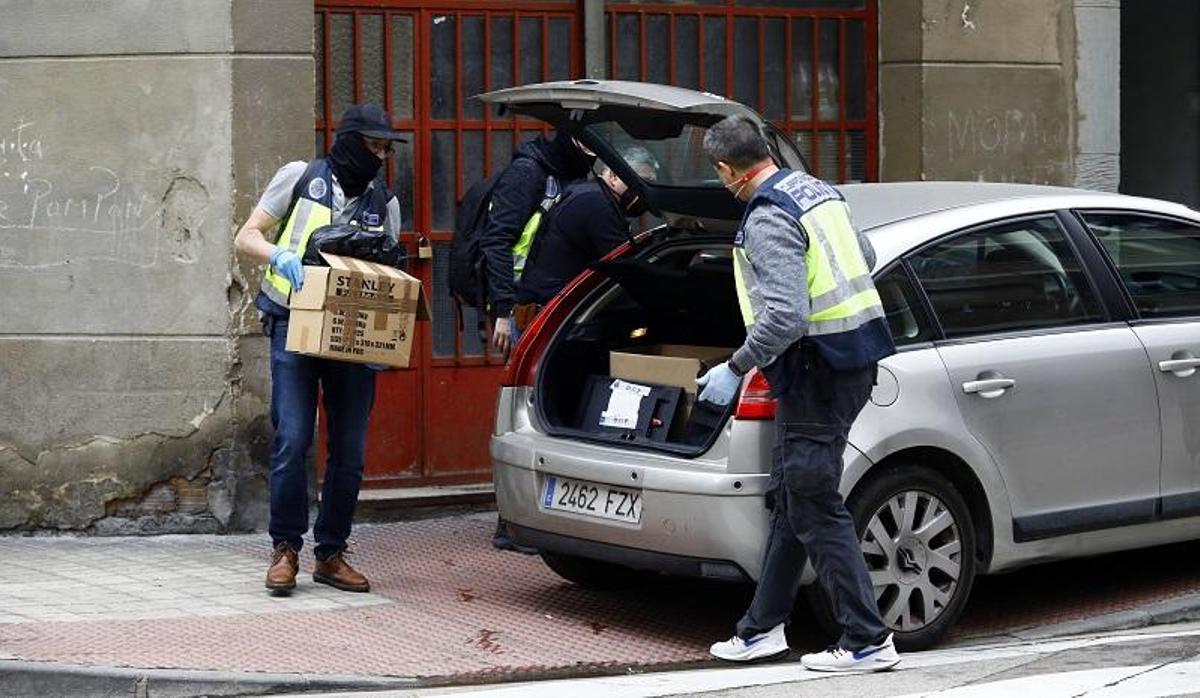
(807, 65)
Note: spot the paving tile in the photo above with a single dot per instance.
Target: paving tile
(213, 610)
(54, 616)
(26, 592)
(83, 609)
(57, 584)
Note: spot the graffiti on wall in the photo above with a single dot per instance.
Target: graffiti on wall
(1003, 145)
(59, 208)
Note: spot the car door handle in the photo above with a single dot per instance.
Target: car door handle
(1182, 367)
(988, 387)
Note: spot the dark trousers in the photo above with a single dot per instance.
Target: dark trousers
(348, 391)
(808, 517)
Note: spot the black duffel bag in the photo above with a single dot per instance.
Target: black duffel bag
(352, 241)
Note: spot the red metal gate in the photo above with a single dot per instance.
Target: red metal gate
(424, 61)
(812, 71)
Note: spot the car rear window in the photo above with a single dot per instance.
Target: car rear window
(680, 156)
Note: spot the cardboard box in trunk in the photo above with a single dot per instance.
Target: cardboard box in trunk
(356, 311)
(668, 364)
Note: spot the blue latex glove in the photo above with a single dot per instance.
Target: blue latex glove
(719, 384)
(288, 264)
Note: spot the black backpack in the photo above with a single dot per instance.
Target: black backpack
(468, 281)
(468, 269)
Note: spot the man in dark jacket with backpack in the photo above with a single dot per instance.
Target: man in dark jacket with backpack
(516, 196)
(345, 187)
(589, 220)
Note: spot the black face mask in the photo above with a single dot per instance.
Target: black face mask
(632, 203)
(353, 163)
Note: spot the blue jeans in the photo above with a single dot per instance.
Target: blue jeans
(808, 517)
(348, 391)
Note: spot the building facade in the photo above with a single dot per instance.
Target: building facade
(136, 136)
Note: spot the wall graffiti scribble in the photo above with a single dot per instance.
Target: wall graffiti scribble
(55, 212)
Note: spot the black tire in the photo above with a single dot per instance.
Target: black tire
(868, 499)
(592, 574)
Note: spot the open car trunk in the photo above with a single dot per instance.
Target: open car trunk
(674, 301)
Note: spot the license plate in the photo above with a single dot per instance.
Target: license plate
(592, 499)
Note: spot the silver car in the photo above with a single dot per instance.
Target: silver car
(1044, 402)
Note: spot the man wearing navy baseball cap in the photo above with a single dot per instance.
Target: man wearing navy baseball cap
(345, 187)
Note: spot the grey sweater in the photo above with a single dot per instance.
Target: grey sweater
(776, 243)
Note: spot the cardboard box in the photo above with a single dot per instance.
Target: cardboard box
(666, 364)
(356, 311)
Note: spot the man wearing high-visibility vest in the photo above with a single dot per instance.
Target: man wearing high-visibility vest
(345, 187)
(525, 190)
(815, 327)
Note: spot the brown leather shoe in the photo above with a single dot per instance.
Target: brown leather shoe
(338, 573)
(281, 575)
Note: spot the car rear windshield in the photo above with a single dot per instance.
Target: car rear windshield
(676, 153)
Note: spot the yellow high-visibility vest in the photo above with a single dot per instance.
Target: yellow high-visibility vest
(520, 250)
(841, 292)
(306, 216)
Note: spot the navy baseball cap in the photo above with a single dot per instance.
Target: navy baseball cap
(369, 120)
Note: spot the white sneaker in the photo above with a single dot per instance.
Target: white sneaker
(879, 657)
(769, 644)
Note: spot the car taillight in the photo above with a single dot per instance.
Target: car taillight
(756, 401)
(522, 363)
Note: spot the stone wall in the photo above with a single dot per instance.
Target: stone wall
(978, 90)
(1098, 94)
(134, 136)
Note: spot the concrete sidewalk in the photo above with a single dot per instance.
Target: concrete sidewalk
(188, 615)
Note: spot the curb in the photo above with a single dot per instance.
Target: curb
(19, 678)
(1179, 609)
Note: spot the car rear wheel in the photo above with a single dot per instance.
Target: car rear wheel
(918, 540)
(592, 574)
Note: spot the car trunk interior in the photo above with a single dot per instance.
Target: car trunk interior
(675, 299)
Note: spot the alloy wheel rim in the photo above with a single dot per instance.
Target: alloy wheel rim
(913, 549)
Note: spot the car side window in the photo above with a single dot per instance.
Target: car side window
(906, 317)
(1158, 260)
(1013, 276)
